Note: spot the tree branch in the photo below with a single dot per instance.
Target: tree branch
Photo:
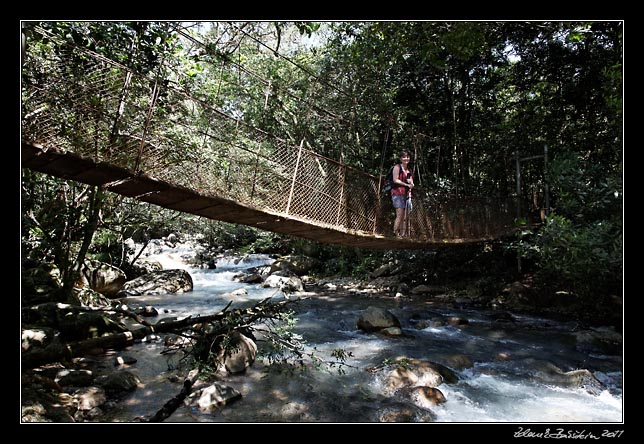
(173, 404)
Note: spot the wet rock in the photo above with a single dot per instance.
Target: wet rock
(36, 337)
(90, 398)
(584, 379)
(458, 361)
(215, 396)
(422, 396)
(457, 320)
(238, 292)
(103, 278)
(421, 289)
(263, 271)
(604, 340)
(151, 338)
(75, 378)
(121, 381)
(374, 319)
(159, 282)
(416, 372)
(284, 283)
(403, 412)
(148, 311)
(124, 360)
(438, 320)
(253, 278)
(391, 331)
(549, 373)
(298, 264)
(402, 377)
(400, 414)
(241, 354)
(502, 317)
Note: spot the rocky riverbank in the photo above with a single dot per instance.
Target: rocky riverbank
(371, 312)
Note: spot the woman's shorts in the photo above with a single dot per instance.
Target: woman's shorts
(399, 201)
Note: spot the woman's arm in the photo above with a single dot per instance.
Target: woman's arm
(396, 174)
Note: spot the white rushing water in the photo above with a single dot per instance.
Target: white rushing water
(503, 385)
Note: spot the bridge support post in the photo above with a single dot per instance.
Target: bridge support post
(297, 165)
(153, 102)
(545, 180)
(339, 213)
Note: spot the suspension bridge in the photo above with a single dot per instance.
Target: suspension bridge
(90, 119)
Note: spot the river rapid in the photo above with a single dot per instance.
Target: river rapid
(504, 384)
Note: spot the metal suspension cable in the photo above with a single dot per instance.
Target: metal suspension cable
(310, 103)
(254, 128)
(266, 82)
(278, 54)
(307, 71)
(175, 89)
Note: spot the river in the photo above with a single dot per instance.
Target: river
(502, 386)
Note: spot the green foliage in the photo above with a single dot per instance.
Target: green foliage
(466, 97)
(107, 247)
(334, 260)
(137, 45)
(580, 247)
(584, 191)
(585, 258)
(59, 220)
(307, 28)
(264, 242)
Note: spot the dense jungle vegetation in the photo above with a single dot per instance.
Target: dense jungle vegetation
(468, 98)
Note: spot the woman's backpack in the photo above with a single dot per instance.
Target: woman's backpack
(389, 179)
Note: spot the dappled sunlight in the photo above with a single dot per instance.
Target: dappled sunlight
(500, 385)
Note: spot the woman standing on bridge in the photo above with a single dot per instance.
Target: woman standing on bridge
(403, 182)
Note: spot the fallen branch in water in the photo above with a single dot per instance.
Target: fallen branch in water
(211, 341)
(66, 351)
(173, 404)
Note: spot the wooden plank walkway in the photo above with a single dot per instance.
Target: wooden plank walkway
(69, 166)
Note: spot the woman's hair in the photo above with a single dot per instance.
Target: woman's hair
(404, 153)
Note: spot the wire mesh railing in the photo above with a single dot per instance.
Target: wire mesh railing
(79, 101)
